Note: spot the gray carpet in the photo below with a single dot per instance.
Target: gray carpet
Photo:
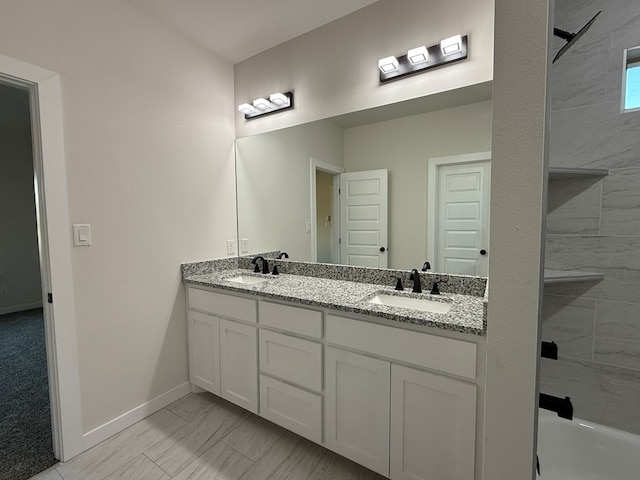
(25, 417)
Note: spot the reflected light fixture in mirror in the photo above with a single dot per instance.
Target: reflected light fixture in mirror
(277, 102)
(421, 59)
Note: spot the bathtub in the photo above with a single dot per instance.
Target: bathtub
(581, 450)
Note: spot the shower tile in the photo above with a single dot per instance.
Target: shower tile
(617, 334)
(568, 321)
(579, 77)
(618, 258)
(595, 136)
(599, 393)
(573, 206)
(621, 202)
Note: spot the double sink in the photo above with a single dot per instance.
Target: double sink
(398, 300)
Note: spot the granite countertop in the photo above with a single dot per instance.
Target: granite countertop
(467, 313)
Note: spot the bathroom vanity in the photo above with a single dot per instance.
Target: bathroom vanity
(397, 390)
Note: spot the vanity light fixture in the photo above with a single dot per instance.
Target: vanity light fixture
(246, 108)
(451, 45)
(418, 55)
(423, 58)
(388, 64)
(277, 102)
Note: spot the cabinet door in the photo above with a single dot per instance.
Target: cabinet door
(204, 351)
(433, 426)
(239, 364)
(357, 408)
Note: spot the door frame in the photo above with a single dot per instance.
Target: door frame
(315, 165)
(54, 243)
(434, 164)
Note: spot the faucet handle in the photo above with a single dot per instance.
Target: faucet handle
(275, 270)
(399, 285)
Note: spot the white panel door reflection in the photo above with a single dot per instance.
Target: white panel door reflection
(363, 218)
(462, 213)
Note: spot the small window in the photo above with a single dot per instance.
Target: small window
(631, 80)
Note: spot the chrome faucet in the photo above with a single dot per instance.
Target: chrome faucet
(415, 276)
(265, 265)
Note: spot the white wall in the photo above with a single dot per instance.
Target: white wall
(149, 151)
(19, 261)
(274, 185)
(334, 69)
(404, 146)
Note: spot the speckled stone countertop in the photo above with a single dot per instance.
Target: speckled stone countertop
(467, 313)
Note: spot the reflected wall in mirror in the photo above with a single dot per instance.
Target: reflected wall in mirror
(287, 182)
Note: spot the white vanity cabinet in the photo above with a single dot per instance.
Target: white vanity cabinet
(400, 421)
(291, 368)
(204, 357)
(401, 402)
(357, 408)
(223, 346)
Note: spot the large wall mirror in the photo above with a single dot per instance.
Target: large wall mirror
(392, 187)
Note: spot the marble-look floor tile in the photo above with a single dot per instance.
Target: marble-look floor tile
(290, 458)
(141, 468)
(621, 202)
(573, 206)
(220, 462)
(569, 321)
(113, 453)
(193, 405)
(617, 334)
(617, 258)
(333, 466)
(198, 436)
(253, 437)
(602, 394)
(594, 136)
(49, 474)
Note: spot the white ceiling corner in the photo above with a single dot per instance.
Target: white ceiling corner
(239, 29)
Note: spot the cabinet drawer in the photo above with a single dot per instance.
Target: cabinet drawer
(291, 408)
(455, 357)
(292, 319)
(292, 359)
(223, 305)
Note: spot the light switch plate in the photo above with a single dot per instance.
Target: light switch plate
(244, 245)
(231, 247)
(81, 234)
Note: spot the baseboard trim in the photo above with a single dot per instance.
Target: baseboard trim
(101, 433)
(20, 308)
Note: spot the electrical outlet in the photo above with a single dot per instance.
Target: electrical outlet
(308, 227)
(244, 245)
(231, 247)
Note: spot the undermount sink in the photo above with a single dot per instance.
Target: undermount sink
(247, 279)
(422, 304)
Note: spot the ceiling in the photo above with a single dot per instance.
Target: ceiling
(238, 29)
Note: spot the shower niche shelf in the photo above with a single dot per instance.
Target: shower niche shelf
(561, 172)
(567, 276)
(552, 276)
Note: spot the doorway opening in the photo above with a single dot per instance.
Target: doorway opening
(54, 241)
(325, 212)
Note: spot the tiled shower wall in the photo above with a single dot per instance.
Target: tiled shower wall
(594, 223)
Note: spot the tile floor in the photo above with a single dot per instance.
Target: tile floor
(202, 437)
